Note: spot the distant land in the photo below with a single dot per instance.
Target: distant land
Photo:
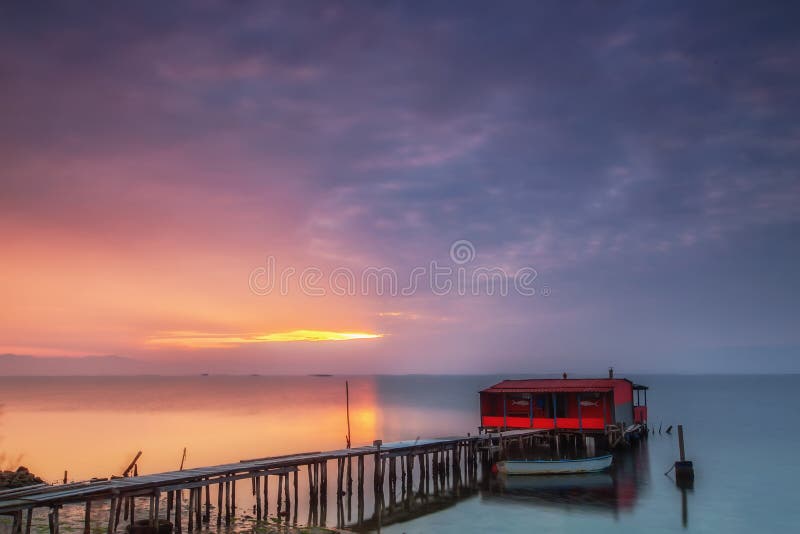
(19, 365)
(721, 362)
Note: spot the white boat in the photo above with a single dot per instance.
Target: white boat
(555, 467)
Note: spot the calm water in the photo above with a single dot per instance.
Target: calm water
(741, 432)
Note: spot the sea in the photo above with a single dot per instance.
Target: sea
(741, 432)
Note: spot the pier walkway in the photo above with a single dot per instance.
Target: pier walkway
(436, 459)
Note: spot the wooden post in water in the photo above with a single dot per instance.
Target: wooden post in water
(257, 493)
(339, 477)
(280, 496)
(233, 496)
(87, 518)
(315, 478)
(295, 475)
(227, 502)
(16, 522)
(376, 468)
(392, 474)
(111, 506)
(190, 510)
(156, 506)
(286, 495)
(198, 504)
(323, 482)
(178, 507)
(170, 497)
(360, 476)
(684, 469)
(349, 476)
(220, 491)
(266, 496)
(207, 517)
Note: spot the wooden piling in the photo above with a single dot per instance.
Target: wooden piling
(156, 506)
(286, 495)
(228, 502)
(178, 508)
(296, 491)
(233, 496)
(220, 491)
(207, 517)
(198, 505)
(280, 494)
(360, 476)
(170, 497)
(111, 506)
(87, 518)
(349, 475)
(323, 480)
(257, 492)
(266, 496)
(339, 477)
(190, 511)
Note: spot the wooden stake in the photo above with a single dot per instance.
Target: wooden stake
(360, 475)
(220, 491)
(178, 507)
(257, 491)
(87, 518)
(233, 497)
(111, 506)
(280, 493)
(156, 506)
(132, 464)
(207, 517)
(296, 501)
(266, 496)
(227, 502)
(190, 511)
(198, 504)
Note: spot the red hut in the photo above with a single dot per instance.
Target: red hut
(585, 405)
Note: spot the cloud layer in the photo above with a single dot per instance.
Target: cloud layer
(643, 159)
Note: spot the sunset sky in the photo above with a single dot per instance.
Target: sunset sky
(641, 158)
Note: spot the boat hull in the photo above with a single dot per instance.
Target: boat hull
(555, 467)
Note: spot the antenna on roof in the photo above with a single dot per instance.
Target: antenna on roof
(564, 376)
(610, 372)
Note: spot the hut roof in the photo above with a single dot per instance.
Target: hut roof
(556, 385)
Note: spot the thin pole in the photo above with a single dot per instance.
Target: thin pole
(183, 458)
(680, 443)
(347, 400)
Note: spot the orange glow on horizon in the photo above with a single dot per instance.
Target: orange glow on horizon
(199, 340)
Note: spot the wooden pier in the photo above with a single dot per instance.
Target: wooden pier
(183, 497)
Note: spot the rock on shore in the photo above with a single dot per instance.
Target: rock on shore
(17, 479)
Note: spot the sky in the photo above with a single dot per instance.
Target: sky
(608, 183)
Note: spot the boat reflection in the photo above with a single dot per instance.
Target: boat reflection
(613, 491)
